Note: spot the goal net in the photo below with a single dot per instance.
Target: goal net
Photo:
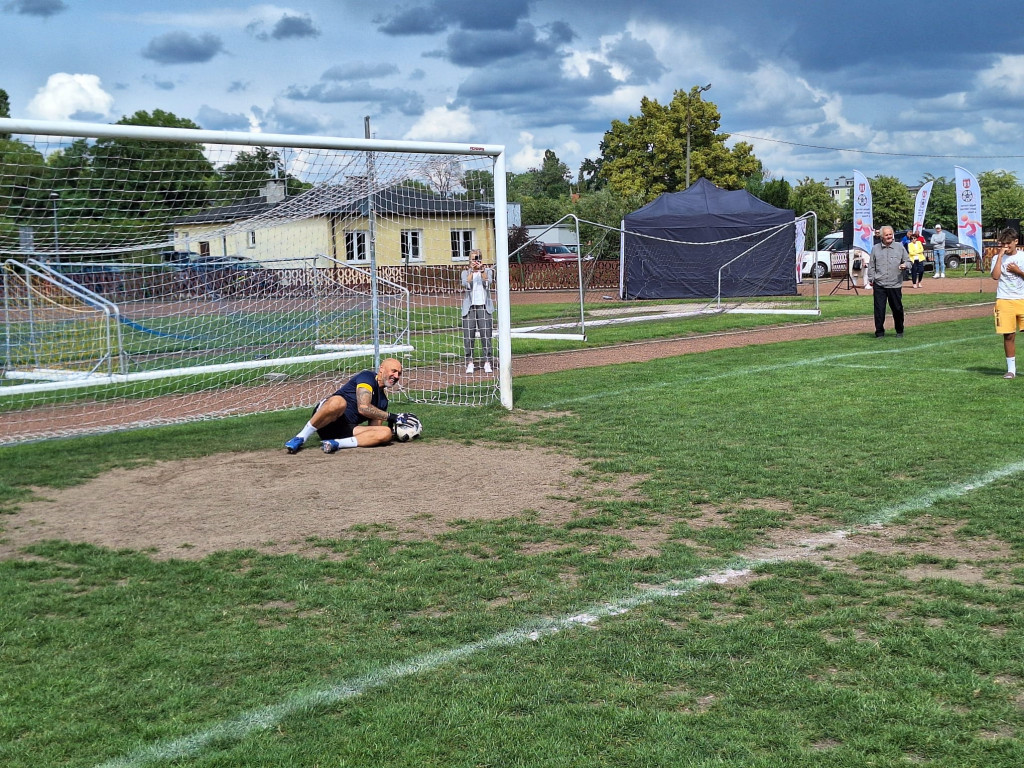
(741, 269)
(154, 276)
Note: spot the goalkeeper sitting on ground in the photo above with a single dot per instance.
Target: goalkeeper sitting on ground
(339, 419)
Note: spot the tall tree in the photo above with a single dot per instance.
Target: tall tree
(141, 177)
(550, 180)
(589, 178)
(249, 173)
(647, 154)
(23, 186)
(810, 195)
(941, 203)
(5, 110)
(775, 192)
(891, 202)
(1001, 198)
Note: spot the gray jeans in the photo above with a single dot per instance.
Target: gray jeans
(478, 319)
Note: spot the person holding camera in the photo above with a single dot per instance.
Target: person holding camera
(477, 310)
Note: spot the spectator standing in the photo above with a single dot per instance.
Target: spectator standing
(938, 241)
(477, 310)
(885, 272)
(915, 252)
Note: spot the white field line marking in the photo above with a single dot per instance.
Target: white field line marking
(823, 359)
(266, 718)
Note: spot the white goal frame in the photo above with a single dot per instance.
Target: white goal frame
(244, 140)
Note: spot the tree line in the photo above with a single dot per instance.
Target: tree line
(640, 158)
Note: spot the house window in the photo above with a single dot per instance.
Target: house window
(462, 244)
(204, 248)
(412, 240)
(250, 237)
(355, 246)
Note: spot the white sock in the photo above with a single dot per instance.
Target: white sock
(1011, 365)
(347, 442)
(307, 431)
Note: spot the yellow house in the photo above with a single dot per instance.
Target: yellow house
(404, 225)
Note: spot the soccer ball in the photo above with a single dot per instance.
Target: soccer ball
(407, 427)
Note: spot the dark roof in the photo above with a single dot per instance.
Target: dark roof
(397, 200)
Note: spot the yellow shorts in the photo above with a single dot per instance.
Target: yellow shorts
(1009, 315)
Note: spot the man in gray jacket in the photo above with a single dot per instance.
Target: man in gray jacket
(885, 272)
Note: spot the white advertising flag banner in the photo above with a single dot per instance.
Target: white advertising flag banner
(968, 209)
(921, 206)
(863, 222)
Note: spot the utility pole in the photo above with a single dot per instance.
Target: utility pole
(689, 100)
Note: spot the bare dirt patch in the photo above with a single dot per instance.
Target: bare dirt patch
(272, 502)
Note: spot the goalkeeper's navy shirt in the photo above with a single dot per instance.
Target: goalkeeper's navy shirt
(363, 380)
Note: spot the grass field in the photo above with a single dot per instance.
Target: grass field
(524, 642)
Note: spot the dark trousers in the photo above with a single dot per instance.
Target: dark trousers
(917, 271)
(894, 296)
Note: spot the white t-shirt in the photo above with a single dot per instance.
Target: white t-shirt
(1010, 286)
(479, 293)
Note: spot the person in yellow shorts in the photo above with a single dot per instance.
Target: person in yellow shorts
(1008, 269)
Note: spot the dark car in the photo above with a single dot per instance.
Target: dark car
(956, 252)
(227, 275)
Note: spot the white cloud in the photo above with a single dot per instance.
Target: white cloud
(623, 101)
(528, 155)
(1005, 77)
(65, 95)
(773, 87)
(443, 124)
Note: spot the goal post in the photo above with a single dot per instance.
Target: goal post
(159, 275)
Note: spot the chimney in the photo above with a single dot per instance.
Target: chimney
(275, 190)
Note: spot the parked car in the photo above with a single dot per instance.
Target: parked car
(818, 263)
(956, 252)
(227, 274)
(555, 253)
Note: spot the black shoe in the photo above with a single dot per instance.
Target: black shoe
(899, 335)
(879, 335)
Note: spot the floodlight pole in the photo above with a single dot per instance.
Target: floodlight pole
(700, 90)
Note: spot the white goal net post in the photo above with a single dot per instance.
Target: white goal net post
(159, 275)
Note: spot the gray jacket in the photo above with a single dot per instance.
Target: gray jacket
(884, 269)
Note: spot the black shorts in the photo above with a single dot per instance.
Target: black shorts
(338, 429)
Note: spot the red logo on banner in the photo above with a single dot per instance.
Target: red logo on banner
(966, 183)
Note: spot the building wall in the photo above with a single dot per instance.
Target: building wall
(282, 245)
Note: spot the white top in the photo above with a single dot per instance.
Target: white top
(478, 297)
(1010, 286)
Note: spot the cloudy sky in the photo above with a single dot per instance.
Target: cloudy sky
(819, 87)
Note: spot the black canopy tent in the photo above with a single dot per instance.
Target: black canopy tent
(659, 264)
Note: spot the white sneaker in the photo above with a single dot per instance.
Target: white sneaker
(470, 368)
(487, 368)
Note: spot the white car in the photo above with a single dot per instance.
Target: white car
(818, 263)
